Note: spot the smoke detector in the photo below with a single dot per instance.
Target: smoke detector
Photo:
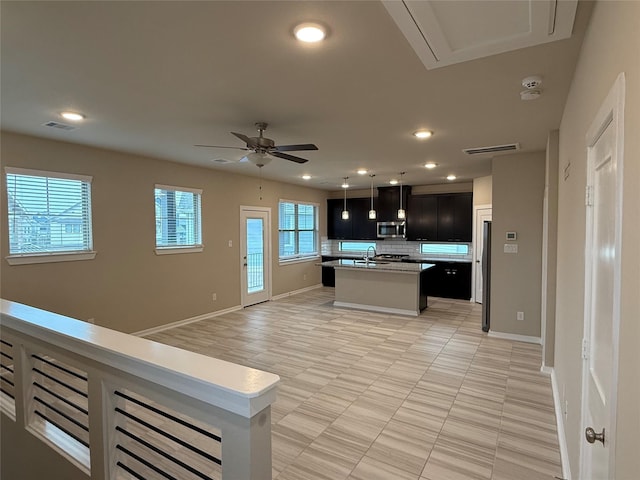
(532, 82)
(532, 85)
(530, 94)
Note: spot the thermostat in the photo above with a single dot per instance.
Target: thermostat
(511, 236)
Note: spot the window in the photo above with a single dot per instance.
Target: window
(178, 220)
(49, 216)
(298, 230)
(445, 248)
(356, 246)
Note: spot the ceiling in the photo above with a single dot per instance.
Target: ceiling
(155, 78)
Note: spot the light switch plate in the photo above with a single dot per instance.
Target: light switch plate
(510, 248)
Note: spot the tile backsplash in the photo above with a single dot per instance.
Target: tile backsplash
(391, 246)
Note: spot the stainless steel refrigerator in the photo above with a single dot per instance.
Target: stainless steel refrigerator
(486, 274)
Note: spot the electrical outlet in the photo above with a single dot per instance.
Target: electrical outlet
(230, 243)
(520, 316)
(214, 296)
(304, 277)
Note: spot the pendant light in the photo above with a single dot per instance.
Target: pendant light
(345, 212)
(372, 212)
(401, 212)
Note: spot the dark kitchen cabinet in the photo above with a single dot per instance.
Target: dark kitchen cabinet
(328, 273)
(362, 227)
(449, 280)
(337, 228)
(422, 217)
(455, 212)
(389, 202)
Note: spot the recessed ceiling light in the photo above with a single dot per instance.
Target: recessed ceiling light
(362, 171)
(430, 165)
(310, 32)
(73, 116)
(306, 177)
(451, 177)
(393, 181)
(422, 134)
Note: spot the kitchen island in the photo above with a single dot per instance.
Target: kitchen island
(387, 287)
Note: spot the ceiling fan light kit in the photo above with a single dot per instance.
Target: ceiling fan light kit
(264, 146)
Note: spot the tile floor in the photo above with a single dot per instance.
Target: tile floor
(368, 396)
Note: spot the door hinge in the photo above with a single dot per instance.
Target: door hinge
(588, 196)
(585, 348)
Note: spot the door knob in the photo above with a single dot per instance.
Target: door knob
(591, 435)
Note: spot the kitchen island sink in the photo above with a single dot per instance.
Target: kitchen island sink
(388, 287)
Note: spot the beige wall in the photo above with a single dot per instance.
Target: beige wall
(611, 46)
(518, 186)
(127, 286)
(482, 190)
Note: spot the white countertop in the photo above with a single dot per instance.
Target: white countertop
(412, 258)
(381, 266)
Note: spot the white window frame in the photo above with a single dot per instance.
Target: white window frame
(196, 247)
(296, 258)
(54, 256)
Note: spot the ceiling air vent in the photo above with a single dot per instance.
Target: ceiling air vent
(495, 149)
(59, 125)
(222, 160)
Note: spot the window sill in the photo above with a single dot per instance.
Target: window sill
(29, 259)
(315, 258)
(175, 250)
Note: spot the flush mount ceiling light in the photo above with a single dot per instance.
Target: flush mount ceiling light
(362, 171)
(430, 165)
(306, 177)
(393, 181)
(310, 32)
(451, 177)
(73, 116)
(422, 134)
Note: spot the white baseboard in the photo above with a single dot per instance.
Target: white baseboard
(296, 292)
(516, 337)
(562, 438)
(186, 321)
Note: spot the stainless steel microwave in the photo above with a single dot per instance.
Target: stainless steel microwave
(391, 230)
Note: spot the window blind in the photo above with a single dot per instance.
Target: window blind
(178, 217)
(48, 212)
(297, 230)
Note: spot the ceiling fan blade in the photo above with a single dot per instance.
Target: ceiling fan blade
(220, 146)
(292, 148)
(286, 156)
(249, 141)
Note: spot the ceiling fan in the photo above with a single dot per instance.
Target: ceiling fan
(261, 147)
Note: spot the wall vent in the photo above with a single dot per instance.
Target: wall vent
(222, 160)
(59, 125)
(496, 148)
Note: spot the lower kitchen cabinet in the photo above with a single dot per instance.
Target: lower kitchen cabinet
(449, 280)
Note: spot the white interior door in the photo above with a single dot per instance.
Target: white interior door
(482, 215)
(255, 255)
(602, 293)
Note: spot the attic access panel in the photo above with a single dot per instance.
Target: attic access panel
(444, 32)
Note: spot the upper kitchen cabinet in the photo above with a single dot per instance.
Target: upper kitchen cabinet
(357, 227)
(455, 214)
(363, 228)
(337, 228)
(389, 202)
(422, 217)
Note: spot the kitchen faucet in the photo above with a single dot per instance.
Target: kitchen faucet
(367, 255)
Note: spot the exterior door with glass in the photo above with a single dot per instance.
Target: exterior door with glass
(255, 255)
